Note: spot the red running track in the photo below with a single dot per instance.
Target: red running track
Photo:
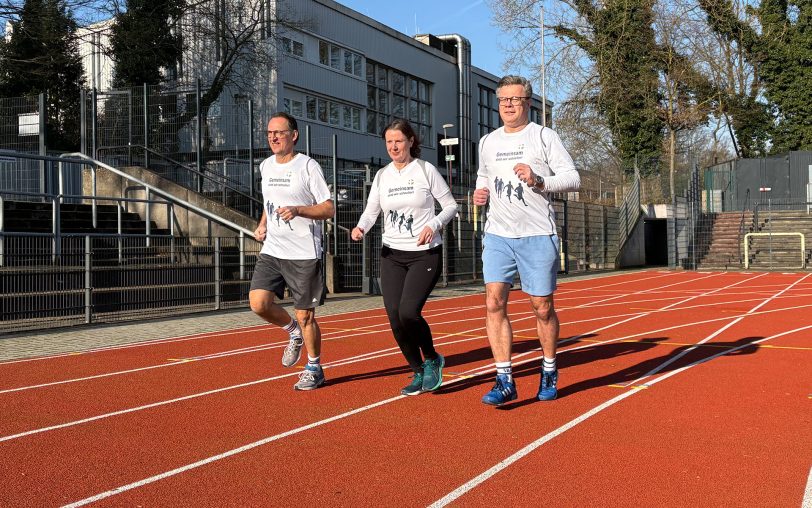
(677, 388)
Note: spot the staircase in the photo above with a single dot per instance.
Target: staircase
(37, 217)
(719, 240)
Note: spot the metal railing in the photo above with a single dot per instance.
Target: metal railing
(57, 232)
(86, 284)
(232, 192)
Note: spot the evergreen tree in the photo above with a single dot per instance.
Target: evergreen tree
(41, 56)
(625, 54)
(144, 39)
(781, 49)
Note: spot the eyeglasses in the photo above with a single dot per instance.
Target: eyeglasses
(515, 101)
(275, 134)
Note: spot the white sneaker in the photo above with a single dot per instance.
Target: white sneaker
(293, 351)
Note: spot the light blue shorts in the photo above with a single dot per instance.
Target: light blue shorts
(534, 257)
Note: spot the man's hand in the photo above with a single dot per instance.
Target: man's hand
(357, 234)
(287, 213)
(259, 233)
(425, 236)
(525, 174)
(481, 196)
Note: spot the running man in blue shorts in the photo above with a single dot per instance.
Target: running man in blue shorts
(520, 235)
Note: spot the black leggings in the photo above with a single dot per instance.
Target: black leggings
(407, 278)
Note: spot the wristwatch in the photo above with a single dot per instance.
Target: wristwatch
(539, 181)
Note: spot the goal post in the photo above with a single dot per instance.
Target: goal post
(750, 235)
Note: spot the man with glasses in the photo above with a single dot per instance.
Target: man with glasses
(293, 190)
(520, 235)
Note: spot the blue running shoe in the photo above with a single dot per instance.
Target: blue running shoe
(548, 389)
(502, 391)
(415, 387)
(310, 378)
(433, 373)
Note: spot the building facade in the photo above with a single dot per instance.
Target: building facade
(342, 73)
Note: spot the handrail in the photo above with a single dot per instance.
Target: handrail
(741, 223)
(151, 151)
(226, 182)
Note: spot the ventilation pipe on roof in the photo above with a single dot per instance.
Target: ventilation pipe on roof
(464, 103)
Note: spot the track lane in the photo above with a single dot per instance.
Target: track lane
(467, 349)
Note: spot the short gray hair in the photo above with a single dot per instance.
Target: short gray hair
(511, 79)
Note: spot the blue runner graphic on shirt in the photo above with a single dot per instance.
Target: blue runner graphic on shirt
(509, 190)
(400, 221)
(270, 212)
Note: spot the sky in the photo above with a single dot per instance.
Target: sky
(469, 18)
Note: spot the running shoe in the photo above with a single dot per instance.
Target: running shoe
(548, 389)
(433, 373)
(310, 378)
(502, 391)
(293, 351)
(415, 387)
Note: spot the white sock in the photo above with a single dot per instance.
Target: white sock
(505, 369)
(549, 364)
(313, 362)
(293, 329)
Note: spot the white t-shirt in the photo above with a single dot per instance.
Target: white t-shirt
(515, 209)
(299, 182)
(406, 198)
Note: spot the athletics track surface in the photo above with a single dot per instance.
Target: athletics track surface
(676, 389)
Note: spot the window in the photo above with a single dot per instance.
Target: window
(536, 116)
(394, 94)
(292, 47)
(319, 109)
(340, 58)
(488, 111)
(293, 107)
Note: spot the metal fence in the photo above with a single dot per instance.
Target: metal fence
(22, 124)
(590, 238)
(732, 185)
(747, 214)
(90, 282)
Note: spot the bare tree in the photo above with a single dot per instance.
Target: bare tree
(688, 96)
(232, 44)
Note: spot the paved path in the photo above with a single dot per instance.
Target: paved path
(80, 338)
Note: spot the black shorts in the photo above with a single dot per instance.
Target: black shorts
(303, 277)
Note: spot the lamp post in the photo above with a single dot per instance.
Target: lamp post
(447, 152)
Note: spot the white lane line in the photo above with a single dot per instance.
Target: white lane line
(715, 334)
(484, 476)
(235, 451)
(667, 307)
(249, 446)
(346, 361)
(807, 502)
(447, 499)
(263, 348)
(360, 357)
(329, 319)
(251, 349)
(212, 356)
